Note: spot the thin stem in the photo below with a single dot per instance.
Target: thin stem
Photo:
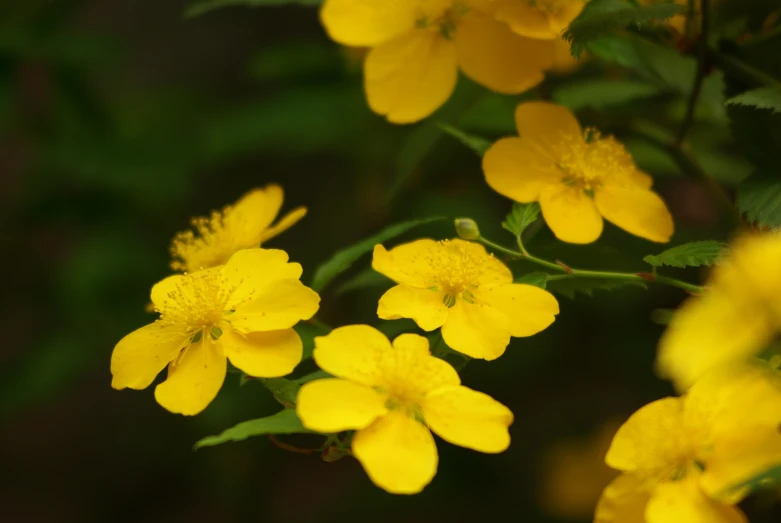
(737, 67)
(699, 76)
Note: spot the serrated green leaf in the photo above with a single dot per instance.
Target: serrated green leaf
(602, 17)
(694, 254)
(343, 259)
(570, 287)
(368, 278)
(759, 198)
(537, 278)
(600, 93)
(762, 98)
(284, 422)
(204, 6)
(476, 143)
(521, 216)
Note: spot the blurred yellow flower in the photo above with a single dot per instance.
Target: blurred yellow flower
(393, 396)
(245, 225)
(457, 285)
(578, 176)
(682, 458)
(244, 310)
(418, 46)
(736, 317)
(545, 19)
(574, 474)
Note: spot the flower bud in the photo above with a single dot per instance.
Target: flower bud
(467, 228)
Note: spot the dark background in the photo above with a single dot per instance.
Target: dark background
(120, 120)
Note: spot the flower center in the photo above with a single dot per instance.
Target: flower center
(441, 16)
(197, 303)
(588, 160)
(456, 271)
(209, 245)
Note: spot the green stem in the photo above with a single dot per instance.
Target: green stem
(748, 73)
(699, 76)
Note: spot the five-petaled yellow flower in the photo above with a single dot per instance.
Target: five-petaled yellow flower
(457, 285)
(418, 46)
(685, 459)
(736, 317)
(244, 310)
(578, 176)
(392, 395)
(244, 225)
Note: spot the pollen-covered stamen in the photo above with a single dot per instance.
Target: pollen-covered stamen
(455, 271)
(208, 246)
(588, 160)
(197, 303)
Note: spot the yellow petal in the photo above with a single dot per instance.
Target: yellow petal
(492, 55)
(424, 306)
(546, 123)
(563, 61)
(334, 405)
(623, 501)
(528, 309)
(468, 418)
(525, 19)
(360, 23)
(518, 169)
(411, 76)
(165, 290)
(278, 305)
(284, 223)
(249, 217)
(411, 367)
(195, 380)
(651, 440)
(250, 270)
(476, 330)
(398, 453)
(489, 269)
(638, 211)
(353, 352)
(409, 263)
(263, 354)
(570, 214)
(140, 356)
(711, 330)
(683, 502)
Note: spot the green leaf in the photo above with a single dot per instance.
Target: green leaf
(367, 278)
(286, 390)
(570, 287)
(537, 278)
(759, 198)
(521, 216)
(600, 93)
(694, 254)
(602, 17)
(342, 260)
(476, 143)
(204, 6)
(284, 422)
(762, 98)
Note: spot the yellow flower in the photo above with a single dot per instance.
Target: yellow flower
(682, 458)
(245, 225)
(737, 316)
(392, 395)
(545, 19)
(244, 310)
(457, 285)
(418, 46)
(578, 176)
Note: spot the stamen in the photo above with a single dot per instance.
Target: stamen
(208, 246)
(589, 160)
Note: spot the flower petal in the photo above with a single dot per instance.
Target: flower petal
(651, 439)
(683, 502)
(410, 77)
(360, 23)
(546, 123)
(140, 356)
(525, 19)
(424, 306)
(468, 418)
(334, 405)
(623, 501)
(528, 309)
(638, 211)
(284, 223)
(519, 169)
(268, 354)
(409, 263)
(249, 217)
(398, 453)
(250, 270)
(411, 366)
(278, 305)
(492, 55)
(570, 214)
(195, 380)
(166, 289)
(476, 330)
(353, 352)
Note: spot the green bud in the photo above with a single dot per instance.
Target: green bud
(467, 228)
